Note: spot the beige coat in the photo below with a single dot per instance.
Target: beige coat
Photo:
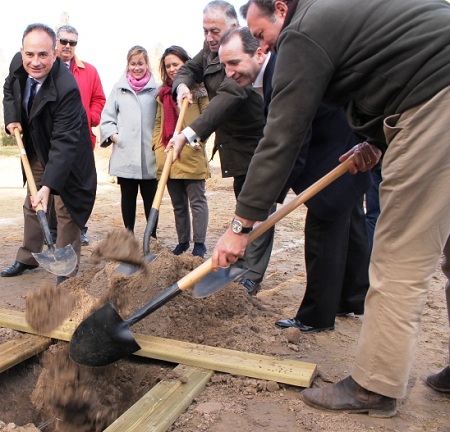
(193, 163)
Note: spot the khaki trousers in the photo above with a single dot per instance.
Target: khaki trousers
(410, 235)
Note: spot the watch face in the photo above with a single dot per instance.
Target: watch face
(236, 226)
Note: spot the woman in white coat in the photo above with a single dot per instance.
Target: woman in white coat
(127, 123)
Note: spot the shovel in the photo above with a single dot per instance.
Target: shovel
(61, 261)
(129, 269)
(104, 337)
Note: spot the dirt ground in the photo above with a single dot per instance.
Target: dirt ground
(51, 393)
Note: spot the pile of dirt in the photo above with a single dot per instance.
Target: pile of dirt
(80, 398)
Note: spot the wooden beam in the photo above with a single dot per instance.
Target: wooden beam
(164, 403)
(21, 348)
(258, 366)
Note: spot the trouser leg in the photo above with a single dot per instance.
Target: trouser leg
(326, 244)
(199, 207)
(356, 276)
(129, 190)
(33, 238)
(411, 232)
(148, 191)
(179, 197)
(68, 231)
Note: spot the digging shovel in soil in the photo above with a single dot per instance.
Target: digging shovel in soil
(104, 337)
(129, 269)
(60, 261)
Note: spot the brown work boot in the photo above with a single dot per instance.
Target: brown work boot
(440, 381)
(348, 396)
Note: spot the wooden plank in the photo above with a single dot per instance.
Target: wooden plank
(21, 348)
(258, 366)
(164, 403)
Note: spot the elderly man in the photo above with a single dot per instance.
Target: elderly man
(91, 90)
(42, 100)
(336, 243)
(236, 116)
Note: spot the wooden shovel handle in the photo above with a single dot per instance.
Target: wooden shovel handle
(201, 271)
(27, 167)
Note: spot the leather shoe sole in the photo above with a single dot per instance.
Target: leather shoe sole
(294, 322)
(348, 396)
(17, 269)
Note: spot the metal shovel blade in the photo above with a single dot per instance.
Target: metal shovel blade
(102, 339)
(215, 281)
(129, 269)
(60, 261)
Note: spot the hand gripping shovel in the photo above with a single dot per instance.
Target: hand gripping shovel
(61, 261)
(104, 337)
(129, 269)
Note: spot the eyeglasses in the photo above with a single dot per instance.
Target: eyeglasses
(72, 43)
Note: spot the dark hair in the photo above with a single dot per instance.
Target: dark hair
(66, 28)
(43, 27)
(175, 50)
(266, 7)
(225, 7)
(249, 43)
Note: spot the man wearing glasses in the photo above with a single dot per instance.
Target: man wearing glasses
(91, 90)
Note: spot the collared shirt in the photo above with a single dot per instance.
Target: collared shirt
(28, 89)
(258, 84)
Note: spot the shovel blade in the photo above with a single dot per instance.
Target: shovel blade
(102, 339)
(215, 281)
(60, 261)
(129, 269)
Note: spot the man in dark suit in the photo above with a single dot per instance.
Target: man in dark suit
(57, 142)
(336, 242)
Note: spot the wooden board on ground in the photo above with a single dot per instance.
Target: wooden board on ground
(164, 403)
(258, 366)
(21, 348)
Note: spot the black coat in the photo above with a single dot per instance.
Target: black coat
(58, 133)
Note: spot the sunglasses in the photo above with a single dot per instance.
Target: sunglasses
(72, 43)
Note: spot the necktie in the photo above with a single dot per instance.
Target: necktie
(32, 94)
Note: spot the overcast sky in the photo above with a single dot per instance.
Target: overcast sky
(107, 31)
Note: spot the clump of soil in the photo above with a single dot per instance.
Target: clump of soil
(48, 307)
(119, 245)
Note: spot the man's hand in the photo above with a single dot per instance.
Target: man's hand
(366, 157)
(177, 143)
(42, 197)
(230, 247)
(12, 126)
(183, 92)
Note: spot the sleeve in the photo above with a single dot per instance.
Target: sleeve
(97, 100)
(156, 137)
(108, 120)
(302, 74)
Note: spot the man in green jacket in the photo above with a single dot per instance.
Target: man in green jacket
(388, 63)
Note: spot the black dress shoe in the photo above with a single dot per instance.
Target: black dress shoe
(180, 248)
(294, 322)
(344, 313)
(17, 269)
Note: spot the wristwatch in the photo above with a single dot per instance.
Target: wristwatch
(238, 228)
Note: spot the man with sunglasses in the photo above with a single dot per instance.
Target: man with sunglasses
(91, 90)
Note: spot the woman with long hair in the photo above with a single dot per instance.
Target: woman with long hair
(186, 183)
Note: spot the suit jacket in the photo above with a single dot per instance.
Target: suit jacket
(57, 132)
(328, 138)
(235, 114)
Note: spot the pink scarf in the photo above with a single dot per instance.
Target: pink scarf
(138, 85)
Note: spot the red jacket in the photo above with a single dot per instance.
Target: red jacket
(91, 89)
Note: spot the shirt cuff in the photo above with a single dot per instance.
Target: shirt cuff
(190, 135)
